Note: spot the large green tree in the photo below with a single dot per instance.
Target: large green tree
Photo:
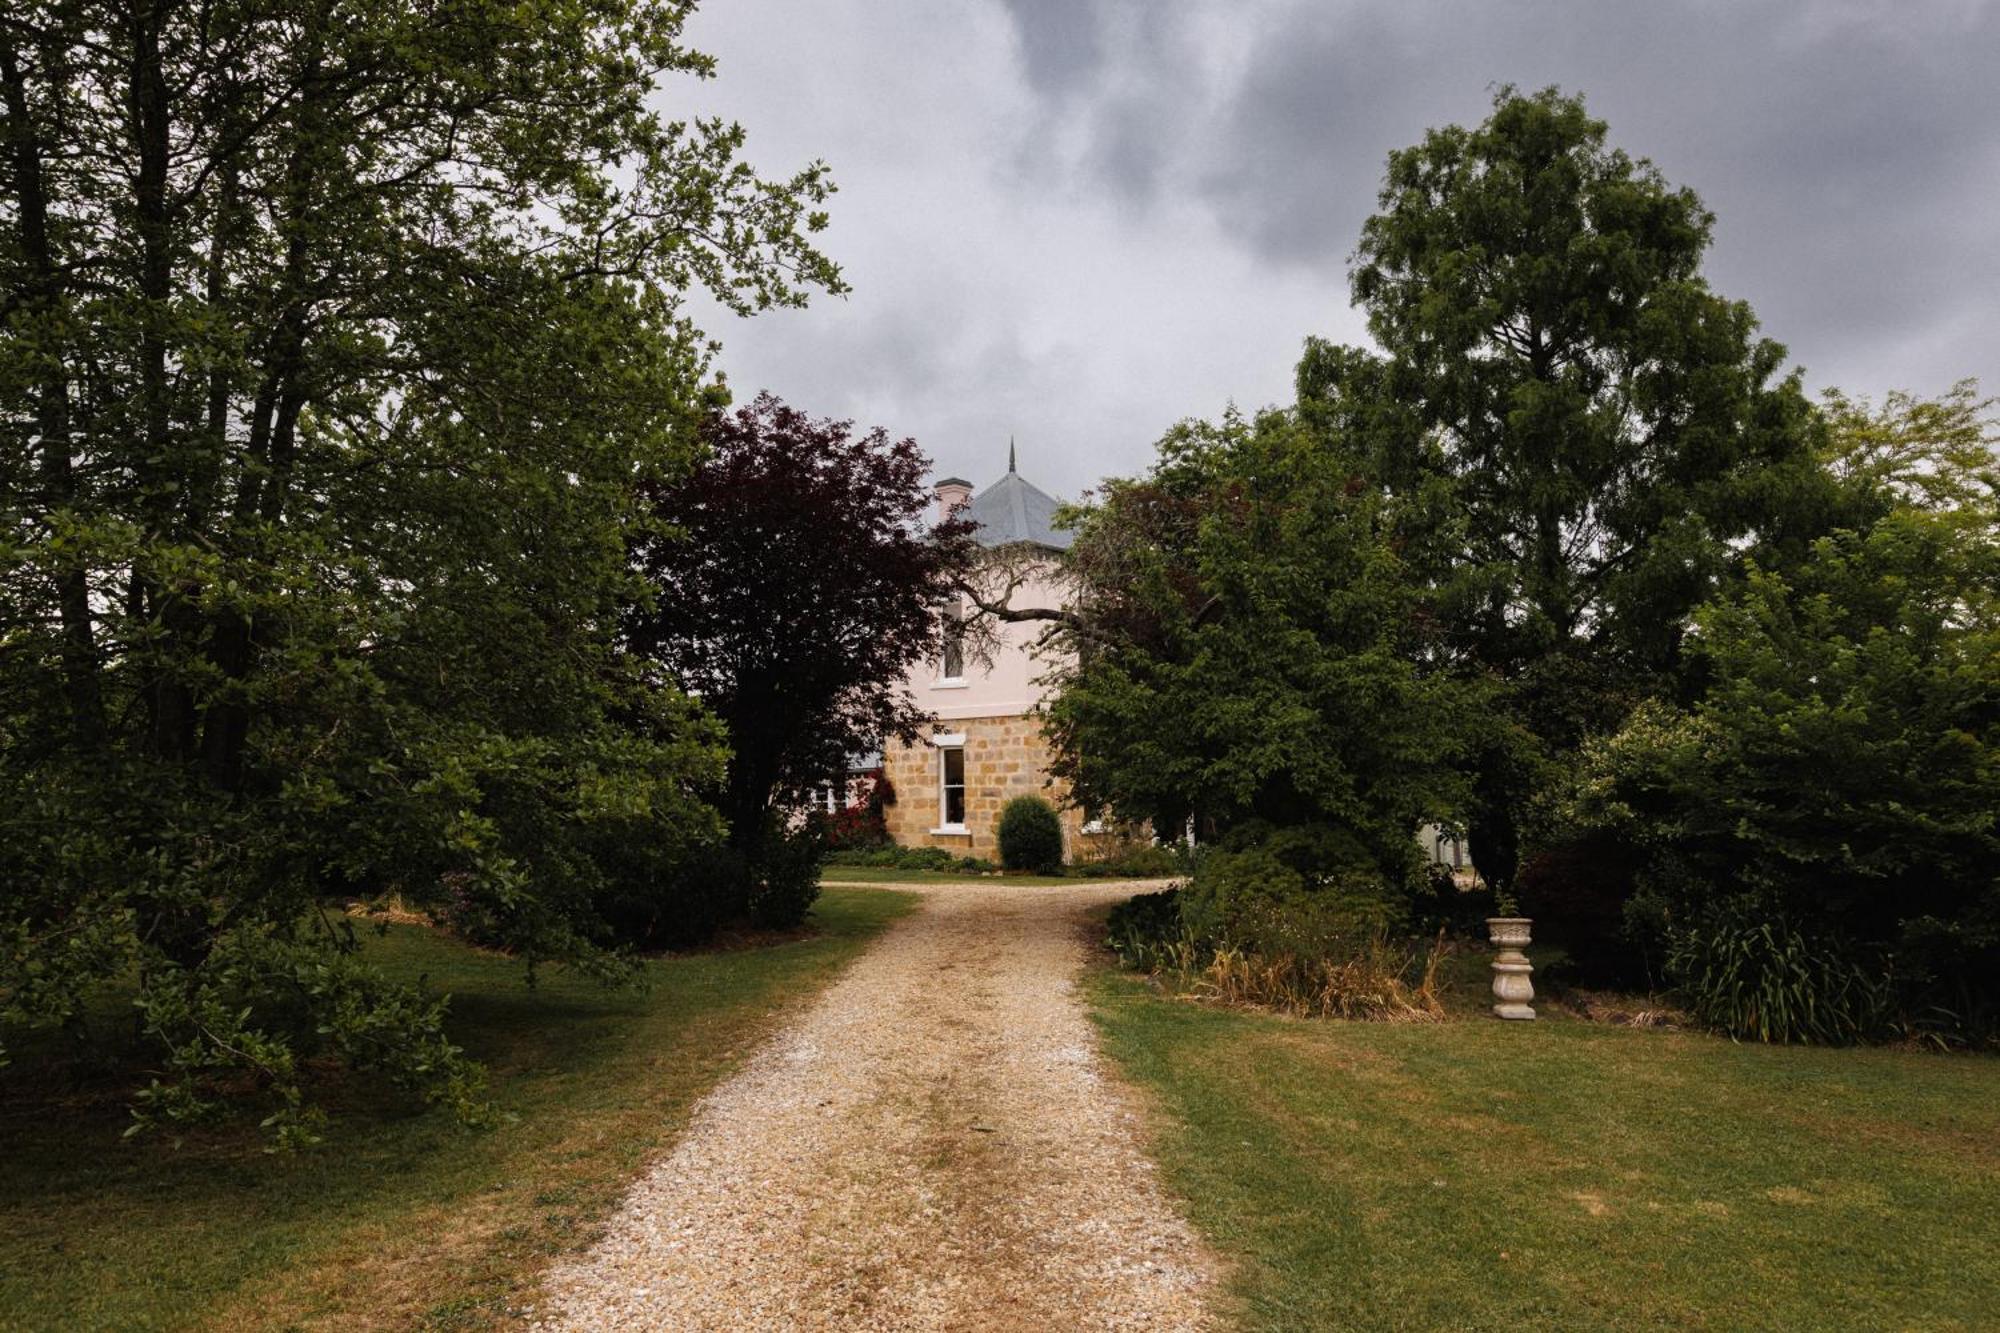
(1835, 780)
(333, 340)
(1613, 432)
(1839, 779)
(1246, 643)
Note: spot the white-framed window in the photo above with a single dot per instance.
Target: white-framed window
(951, 786)
(951, 654)
(951, 782)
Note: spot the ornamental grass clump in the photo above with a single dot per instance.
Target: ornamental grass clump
(1765, 980)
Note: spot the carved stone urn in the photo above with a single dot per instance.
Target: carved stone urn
(1511, 987)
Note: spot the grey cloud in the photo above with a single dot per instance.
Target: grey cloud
(1851, 164)
(1123, 72)
(1061, 41)
(1078, 220)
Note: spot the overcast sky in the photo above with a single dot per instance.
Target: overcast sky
(1077, 221)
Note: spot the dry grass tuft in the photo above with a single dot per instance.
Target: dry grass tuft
(1380, 980)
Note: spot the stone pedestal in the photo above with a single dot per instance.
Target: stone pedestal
(1511, 988)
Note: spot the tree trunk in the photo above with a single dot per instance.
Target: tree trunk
(78, 651)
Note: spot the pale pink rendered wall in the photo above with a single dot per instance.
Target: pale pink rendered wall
(1005, 755)
(1009, 688)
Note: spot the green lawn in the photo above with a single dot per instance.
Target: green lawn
(400, 1219)
(1475, 1174)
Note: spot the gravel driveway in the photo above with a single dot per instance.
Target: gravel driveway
(934, 1145)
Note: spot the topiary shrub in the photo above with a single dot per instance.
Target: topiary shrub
(1031, 836)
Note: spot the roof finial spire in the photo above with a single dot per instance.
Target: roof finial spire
(1010, 453)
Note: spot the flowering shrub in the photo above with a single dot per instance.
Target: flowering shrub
(862, 825)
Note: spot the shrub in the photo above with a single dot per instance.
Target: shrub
(1307, 890)
(1840, 770)
(1298, 919)
(1140, 929)
(1150, 862)
(1580, 894)
(923, 858)
(1378, 978)
(1030, 836)
(893, 857)
(1764, 980)
(785, 881)
(1371, 976)
(681, 905)
(862, 825)
(1440, 904)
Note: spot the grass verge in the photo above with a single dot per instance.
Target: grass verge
(400, 1219)
(1562, 1174)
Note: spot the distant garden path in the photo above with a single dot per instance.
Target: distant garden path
(933, 1145)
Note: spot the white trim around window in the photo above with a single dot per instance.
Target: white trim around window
(951, 784)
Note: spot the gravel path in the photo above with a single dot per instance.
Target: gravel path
(932, 1146)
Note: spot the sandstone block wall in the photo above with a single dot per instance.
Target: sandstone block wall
(1005, 757)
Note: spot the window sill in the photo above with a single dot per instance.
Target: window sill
(951, 831)
(952, 683)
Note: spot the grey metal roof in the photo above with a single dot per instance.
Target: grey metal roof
(1014, 510)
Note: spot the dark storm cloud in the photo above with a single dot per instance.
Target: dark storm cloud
(1062, 41)
(1850, 151)
(1081, 220)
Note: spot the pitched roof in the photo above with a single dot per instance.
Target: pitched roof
(1014, 510)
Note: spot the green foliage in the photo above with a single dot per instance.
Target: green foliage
(586, 1082)
(1142, 862)
(1592, 432)
(336, 340)
(912, 858)
(1144, 929)
(1842, 767)
(1311, 891)
(1580, 891)
(1441, 905)
(1251, 643)
(1030, 836)
(786, 879)
(1763, 980)
(1299, 955)
(262, 1005)
(1934, 454)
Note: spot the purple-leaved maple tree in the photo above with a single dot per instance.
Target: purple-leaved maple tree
(798, 581)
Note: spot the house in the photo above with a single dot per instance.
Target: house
(987, 746)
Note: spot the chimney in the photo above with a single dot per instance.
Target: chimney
(952, 495)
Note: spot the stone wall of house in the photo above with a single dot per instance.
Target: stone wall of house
(1005, 757)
